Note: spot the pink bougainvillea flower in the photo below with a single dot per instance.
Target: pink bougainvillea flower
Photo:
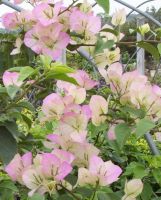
(83, 152)
(34, 180)
(24, 20)
(85, 23)
(75, 119)
(78, 94)
(64, 19)
(87, 111)
(84, 80)
(58, 141)
(53, 107)
(11, 78)
(107, 57)
(81, 149)
(47, 171)
(53, 46)
(99, 107)
(157, 90)
(49, 40)
(64, 155)
(54, 168)
(73, 122)
(99, 172)
(32, 40)
(16, 167)
(46, 14)
(111, 133)
(112, 74)
(10, 20)
(130, 78)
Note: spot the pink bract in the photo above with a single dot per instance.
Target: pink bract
(11, 78)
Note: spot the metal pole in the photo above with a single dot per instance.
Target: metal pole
(151, 144)
(11, 5)
(140, 12)
(140, 51)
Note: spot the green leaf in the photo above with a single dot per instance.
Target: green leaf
(25, 72)
(101, 45)
(26, 104)
(61, 69)
(36, 197)
(144, 126)
(46, 60)
(105, 4)
(15, 69)
(13, 129)
(3, 90)
(27, 120)
(62, 77)
(84, 191)
(109, 30)
(64, 197)
(159, 48)
(156, 174)
(136, 169)
(12, 90)
(134, 112)
(122, 132)
(8, 145)
(149, 48)
(147, 192)
(7, 184)
(110, 196)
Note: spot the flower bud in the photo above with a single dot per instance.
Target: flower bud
(144, 29)
(132, 189)
(119, 17)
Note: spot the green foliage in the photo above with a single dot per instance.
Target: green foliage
(137, 170)
(105, 4)
(159, 48)
(144, 126)
(122, 133)
(36, 197)
(101, 45)
(25, 72)
(150, 48)
(7, 190)
(8, 145)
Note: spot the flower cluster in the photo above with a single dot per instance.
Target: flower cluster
(133, 89)
(69, 143)
(42, 173)
(50, 27)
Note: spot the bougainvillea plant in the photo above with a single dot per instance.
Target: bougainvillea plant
(88, 127)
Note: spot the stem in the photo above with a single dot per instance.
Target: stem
(70, 192)
(74, 1)
(94, 193)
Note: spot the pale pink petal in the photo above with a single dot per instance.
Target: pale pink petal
(27, 159)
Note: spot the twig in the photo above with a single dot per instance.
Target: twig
(67, 9)
(73, 195)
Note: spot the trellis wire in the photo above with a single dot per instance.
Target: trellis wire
(140, 12)
(139, 6)
(148, 136)
(11, 5)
